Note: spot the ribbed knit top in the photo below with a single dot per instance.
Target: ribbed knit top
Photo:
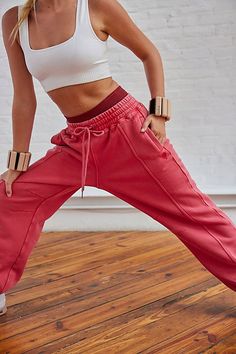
(82, 58)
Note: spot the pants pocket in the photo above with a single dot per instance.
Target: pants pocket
(148, 133)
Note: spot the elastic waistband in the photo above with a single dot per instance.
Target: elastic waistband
(109, 101)
(110, 115)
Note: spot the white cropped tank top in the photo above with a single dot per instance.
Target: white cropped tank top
(82, 58)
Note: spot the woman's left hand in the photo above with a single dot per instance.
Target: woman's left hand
(157, 126)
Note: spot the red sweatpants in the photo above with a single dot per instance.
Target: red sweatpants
(109, 152)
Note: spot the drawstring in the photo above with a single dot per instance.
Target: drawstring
(77, 131)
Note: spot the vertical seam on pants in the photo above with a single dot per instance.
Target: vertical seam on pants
(143, 111)
(95, 164)
(31, 222)
(200, 196)
(160, 184)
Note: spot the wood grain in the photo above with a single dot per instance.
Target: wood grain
(117, 292)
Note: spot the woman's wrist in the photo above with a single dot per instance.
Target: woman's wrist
(20, 148)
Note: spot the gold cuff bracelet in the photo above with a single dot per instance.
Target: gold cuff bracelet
(18, 161)
(160, 106)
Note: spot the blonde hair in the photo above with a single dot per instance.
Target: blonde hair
(24, 13)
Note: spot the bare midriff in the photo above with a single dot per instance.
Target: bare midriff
(77, 99)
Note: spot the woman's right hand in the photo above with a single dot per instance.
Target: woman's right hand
(9, 177)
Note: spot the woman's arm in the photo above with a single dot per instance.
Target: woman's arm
(120, 26)
(24, 100)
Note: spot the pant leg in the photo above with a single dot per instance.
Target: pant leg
(37, 194)
(149, 175)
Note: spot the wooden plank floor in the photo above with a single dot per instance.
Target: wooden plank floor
(117, 292)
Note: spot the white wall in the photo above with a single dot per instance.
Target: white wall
(197, 42)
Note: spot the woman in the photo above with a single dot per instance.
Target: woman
(111, 140)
